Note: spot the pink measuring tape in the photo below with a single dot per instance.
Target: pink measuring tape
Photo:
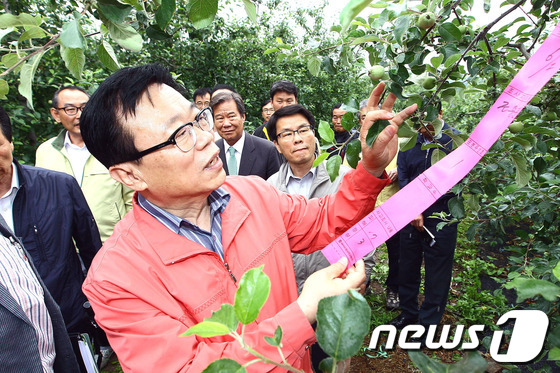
(422, 192)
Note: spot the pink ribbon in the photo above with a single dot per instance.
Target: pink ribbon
(422, 192)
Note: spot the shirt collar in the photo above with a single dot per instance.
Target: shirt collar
(218, 200)
(15, 182)
(68, 143)
(238, 146)
(292, 176)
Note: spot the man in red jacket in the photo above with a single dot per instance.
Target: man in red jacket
(192, 233)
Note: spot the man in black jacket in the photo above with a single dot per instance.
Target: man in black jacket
(422, 240)
(49, 213)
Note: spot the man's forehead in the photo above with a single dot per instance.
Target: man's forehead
(295, 121)
(284, 95)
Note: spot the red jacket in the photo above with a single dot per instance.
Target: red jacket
(147, 285)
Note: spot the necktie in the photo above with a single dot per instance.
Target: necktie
(232, 162)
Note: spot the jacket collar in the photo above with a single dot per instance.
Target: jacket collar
(172, 247)
(58, 142)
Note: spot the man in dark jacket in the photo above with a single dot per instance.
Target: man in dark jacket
(48, 211)
(417, 244)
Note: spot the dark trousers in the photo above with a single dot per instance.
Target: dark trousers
(393, 248)
(438, 262)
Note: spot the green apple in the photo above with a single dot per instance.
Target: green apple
(376, 72)
(429, 82)
(426, 20)
(516, 127)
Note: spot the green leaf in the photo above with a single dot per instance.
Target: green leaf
(251, 295)
(251, 10)
(366, 39)
(437, 60)
(26, 78)
(353, 151)
(74, 59)
(351, 10)
(473, 202)
(23, 19)
(554, 354)
(347, 121)
(342, 323)
(472, 363)
(138, 5)
(320, 159)
(432, 112)
(71, 36)
(165, 13)
(437, 155)
(226, 316)
(487, 6)
(375, 130)
(107, 56)
(125, 36)
(224, 366)
(522, 172)
(207, 329)
(275, 341)
(401, 26)
(529, 288)
(314, 65)
(33, 32)
(333, 166)
(326, 132)
(202, 12)
(456, 207)
(449, 32)
(326, 365)
(556, 271)
(10, 59)
(452, 59)
(113, 10)
(222, 322)
(4, 89)
(155, 33)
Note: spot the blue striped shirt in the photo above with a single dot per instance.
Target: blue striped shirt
(19, 279)
(212, 240)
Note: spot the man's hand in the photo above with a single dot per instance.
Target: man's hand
(385, 147)
(333, 280)
(418, 222)
(393, 175)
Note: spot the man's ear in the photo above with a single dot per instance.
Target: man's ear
(55, 115)
(127, 173)
(277, 147)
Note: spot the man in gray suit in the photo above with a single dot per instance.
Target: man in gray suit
(32, 332)
(240, 152)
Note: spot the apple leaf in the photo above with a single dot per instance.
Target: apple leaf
(351, 10)
(375, 130)
(251, 295)
(333, 166)
(202, 12)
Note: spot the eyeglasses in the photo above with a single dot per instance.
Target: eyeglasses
(202, 104)
(268, 110)
(288, 135)
(184, 137)
(71, 110)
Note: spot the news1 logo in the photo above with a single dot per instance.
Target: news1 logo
(526, 341)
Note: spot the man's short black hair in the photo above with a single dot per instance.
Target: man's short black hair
(283, 86)
(5, 124)
(337, 106)
(101, 123)
(228, 96)
(201, 92)
(63, 88)
(223, 86)
(287, 111)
